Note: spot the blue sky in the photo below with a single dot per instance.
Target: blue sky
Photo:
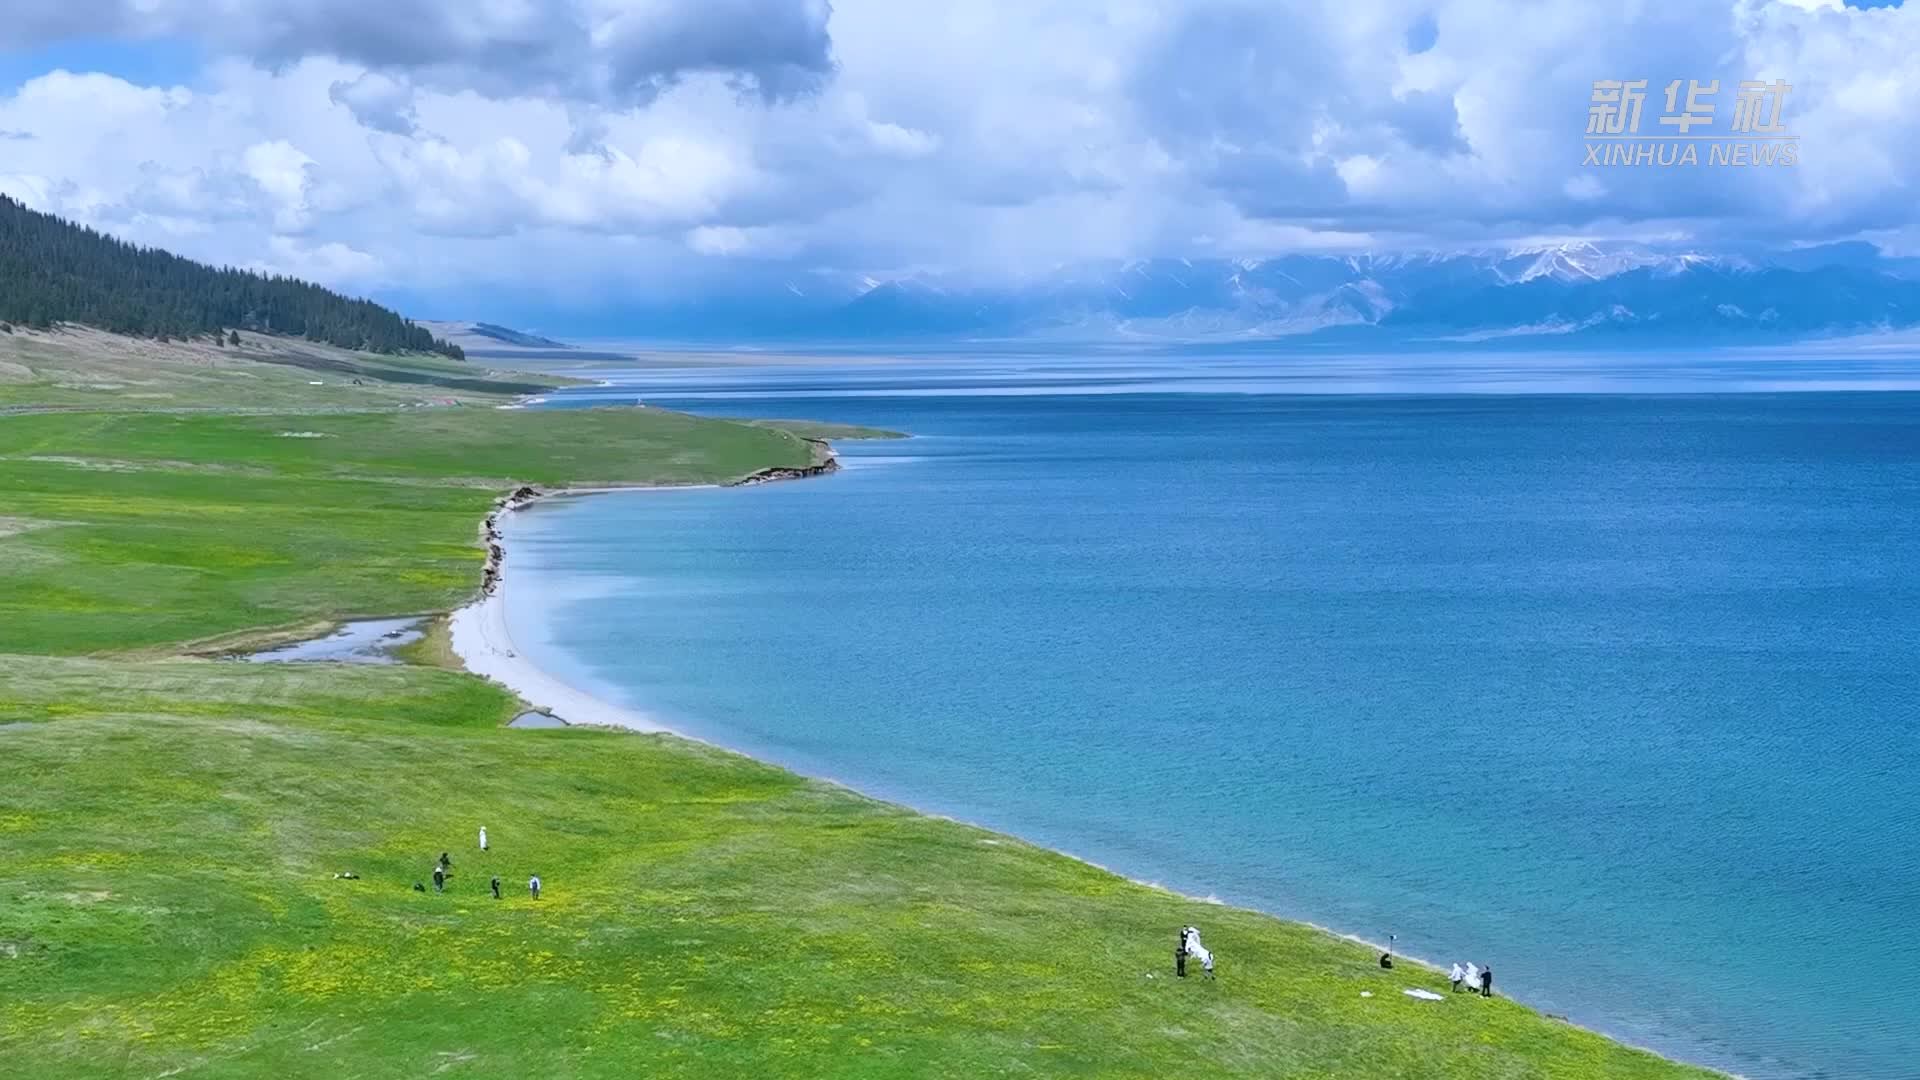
(582, 151)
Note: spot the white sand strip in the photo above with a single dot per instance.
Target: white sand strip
(481, 640)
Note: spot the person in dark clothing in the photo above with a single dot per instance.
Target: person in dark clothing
(439, 879)
(496, 886)
(1486, 982)
(1180, 956)
(419, 886)
(1386, 960)
(445, 863)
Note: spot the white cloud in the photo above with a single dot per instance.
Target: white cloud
(617, 52)
(381, 102)
(280, 168)
(621, 144)
(728, 241)
(901, 141)
(329, 263)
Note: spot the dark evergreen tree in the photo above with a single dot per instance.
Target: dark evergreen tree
(55, 271)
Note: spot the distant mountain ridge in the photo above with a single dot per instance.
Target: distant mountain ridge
(1575, 289)
(514, 337)
(52, 270)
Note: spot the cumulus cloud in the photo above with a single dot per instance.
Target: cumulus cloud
(617, 52)
(329, 262)
(378, 101)
(624, 144)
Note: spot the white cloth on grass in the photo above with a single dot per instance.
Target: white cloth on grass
(1423, 995)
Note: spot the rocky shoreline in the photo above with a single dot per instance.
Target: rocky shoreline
(824, 462)
(521, 496)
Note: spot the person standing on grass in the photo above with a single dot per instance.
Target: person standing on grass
(1486, 982)
(533, 886)
(439, 878)
(496, 886)
(1456, 975)
(1190, 946)
(483, 838)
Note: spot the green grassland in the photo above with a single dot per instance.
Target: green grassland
(136, 530)
(815, 429)
(170, 840)
(77, 367)
(170, 827)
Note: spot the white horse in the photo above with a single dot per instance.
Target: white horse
(1190, 946)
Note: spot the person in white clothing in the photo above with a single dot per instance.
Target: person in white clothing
(483, 838)
(1190, 946)
(1456, 975)
(533, 886)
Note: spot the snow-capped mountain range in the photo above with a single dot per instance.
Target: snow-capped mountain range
(1557, 290)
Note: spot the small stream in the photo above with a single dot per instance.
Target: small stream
(369, 641)
(372, 641)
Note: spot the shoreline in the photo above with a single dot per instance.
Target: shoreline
(481, 639)
(478, 633)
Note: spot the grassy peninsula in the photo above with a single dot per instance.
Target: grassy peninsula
(171, 826)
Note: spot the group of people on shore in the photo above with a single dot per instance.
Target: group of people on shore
(443, 869)
(1189, 945)
(1476, 978)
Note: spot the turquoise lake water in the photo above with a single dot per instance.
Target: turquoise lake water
(1615, 693)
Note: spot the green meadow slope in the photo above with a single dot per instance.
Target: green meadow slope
(79, 367)
(170, 827)
(155, 529)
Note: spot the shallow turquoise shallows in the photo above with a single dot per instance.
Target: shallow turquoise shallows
(1616, 694)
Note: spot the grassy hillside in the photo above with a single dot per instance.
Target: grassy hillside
(168, 867)
(815, 429)
(126, 530)
(170, 828)
(78, 367)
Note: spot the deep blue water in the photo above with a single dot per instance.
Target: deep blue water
(1614, 693)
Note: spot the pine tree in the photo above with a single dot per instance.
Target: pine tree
(55, 271)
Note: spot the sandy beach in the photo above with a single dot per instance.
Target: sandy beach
(481, 640)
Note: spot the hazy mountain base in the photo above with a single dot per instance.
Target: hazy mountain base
(1616, 295)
